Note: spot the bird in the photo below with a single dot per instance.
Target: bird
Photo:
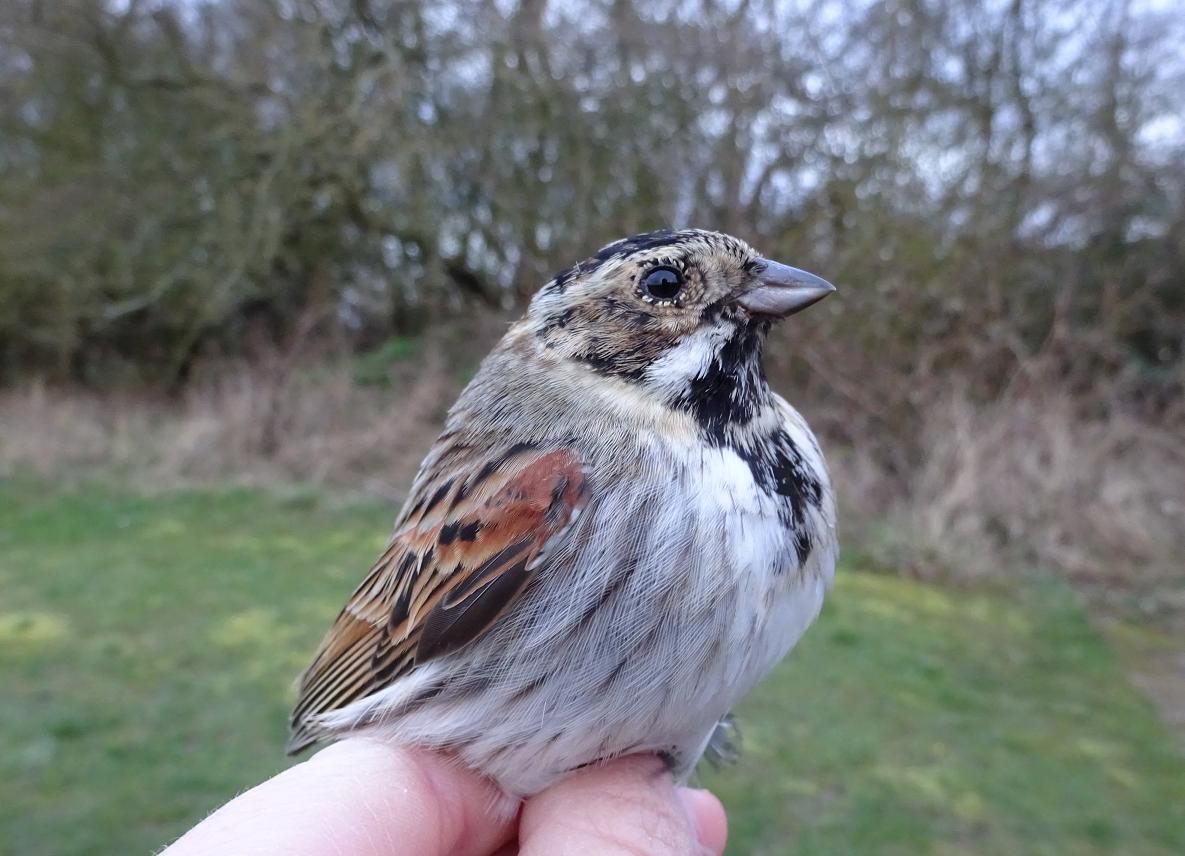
(619, 532)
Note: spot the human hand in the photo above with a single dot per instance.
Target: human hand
(362, 797)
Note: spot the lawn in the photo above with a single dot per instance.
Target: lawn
(148, 648)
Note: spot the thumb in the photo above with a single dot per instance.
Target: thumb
(629, 806)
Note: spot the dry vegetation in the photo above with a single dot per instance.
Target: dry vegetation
(1031, 483)
(246, 425)
(1025, 483)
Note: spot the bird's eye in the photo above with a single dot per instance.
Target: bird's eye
(662, 283)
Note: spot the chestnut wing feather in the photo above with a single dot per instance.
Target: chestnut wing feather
(461, 556)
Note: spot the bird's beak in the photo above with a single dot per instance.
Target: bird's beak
(781, 290)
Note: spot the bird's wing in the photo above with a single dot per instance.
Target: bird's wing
(474, 533)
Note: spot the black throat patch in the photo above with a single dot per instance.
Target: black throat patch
(732, 389)
(725, 399)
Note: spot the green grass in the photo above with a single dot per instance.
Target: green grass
(148, 648)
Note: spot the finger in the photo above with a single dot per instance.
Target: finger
(707, 813)
(630, 806)
(360, 797)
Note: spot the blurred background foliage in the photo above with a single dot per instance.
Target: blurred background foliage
(235, 190)
(987, 181)
(267, 242)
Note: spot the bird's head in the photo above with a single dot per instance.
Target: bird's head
(681, 315)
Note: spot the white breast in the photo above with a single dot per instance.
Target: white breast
(776, 600)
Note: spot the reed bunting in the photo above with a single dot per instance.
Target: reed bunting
(620, 531)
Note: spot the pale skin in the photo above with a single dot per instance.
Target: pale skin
(361, 797)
